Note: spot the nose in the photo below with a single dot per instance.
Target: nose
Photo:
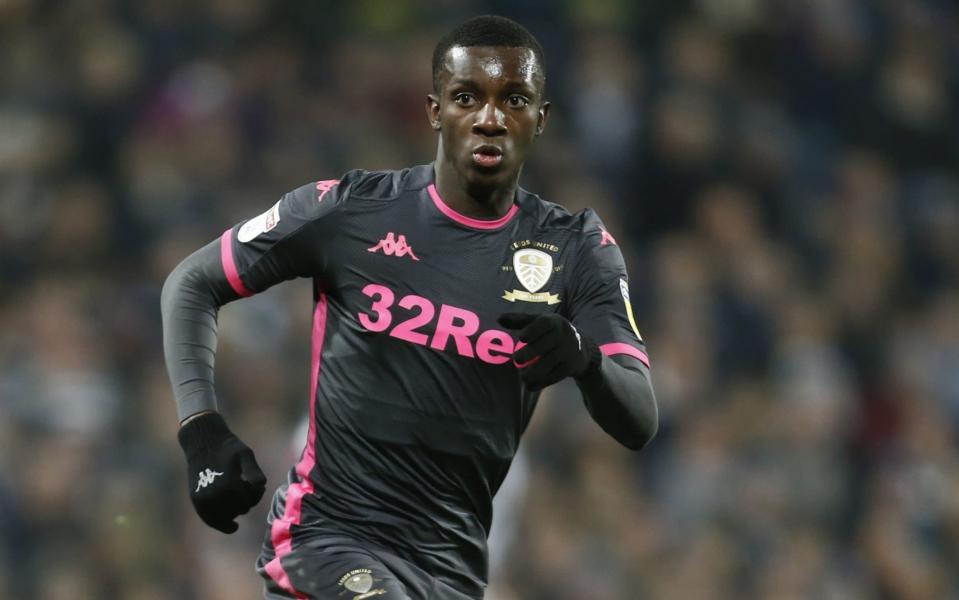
(490, 121)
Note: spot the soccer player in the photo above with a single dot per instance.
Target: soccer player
(446, 298)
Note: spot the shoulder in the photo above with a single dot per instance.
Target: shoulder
(549, 215)
(594, 250)
(326, 198)
(384, 185)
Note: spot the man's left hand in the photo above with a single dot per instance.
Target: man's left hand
(553, 349)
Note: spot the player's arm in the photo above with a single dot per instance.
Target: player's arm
(223, 477)
(616, 388)
(282, 243)
(619, 396)
(189, 303)
(596, 342)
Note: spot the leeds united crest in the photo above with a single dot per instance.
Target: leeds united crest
(533, 269)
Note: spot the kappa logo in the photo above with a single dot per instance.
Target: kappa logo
(392, 245)
(206, 478)
(360, 581)
(325, 186)
(607, 238)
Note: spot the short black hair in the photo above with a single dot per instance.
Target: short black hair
(485, 30)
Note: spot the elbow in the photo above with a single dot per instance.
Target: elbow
(172, 288)
(193, 284)
(195, 281)
(642, 436)
(168, 291)
(645, 426)
(623, 403)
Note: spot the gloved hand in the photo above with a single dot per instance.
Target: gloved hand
(222, 473)
(554, 349)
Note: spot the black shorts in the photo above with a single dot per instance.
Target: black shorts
(327, 566)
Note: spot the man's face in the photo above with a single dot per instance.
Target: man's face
(488, 109)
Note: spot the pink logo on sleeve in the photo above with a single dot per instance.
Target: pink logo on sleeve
(394, 246)
(324, 186)
(607, 238)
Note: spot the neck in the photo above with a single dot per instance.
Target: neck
(480, 202)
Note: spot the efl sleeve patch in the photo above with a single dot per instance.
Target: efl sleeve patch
(259, 224)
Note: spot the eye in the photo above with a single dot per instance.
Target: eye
(517, 101)
(464, 99)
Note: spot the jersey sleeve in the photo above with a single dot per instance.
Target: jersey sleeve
(290, 239)
(599, 297)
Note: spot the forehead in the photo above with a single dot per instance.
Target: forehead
(493, 62)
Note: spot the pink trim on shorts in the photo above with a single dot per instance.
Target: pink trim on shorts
(229, 265)
(280, 532)
(620, 348)
(470, 221)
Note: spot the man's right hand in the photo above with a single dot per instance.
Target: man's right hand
(222, 473)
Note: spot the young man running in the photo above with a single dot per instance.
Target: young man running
(446, 297)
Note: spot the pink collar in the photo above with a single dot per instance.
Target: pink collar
(470, 221)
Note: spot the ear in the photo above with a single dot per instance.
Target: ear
(543, 116)
(433, 111)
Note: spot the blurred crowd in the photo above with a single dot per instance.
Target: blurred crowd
(782, 175)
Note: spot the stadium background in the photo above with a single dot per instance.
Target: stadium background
(782, 176)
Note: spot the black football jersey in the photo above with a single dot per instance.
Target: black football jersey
(416, 408)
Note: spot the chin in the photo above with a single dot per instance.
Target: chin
(486, 177)
(487, 180)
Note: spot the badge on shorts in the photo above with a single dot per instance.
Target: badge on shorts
(359, 581)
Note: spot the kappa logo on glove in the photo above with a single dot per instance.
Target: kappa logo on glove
(219, 496)
(206, 478)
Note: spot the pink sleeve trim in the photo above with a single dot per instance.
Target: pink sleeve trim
(229, 265)
(621, 348)
(470, 221)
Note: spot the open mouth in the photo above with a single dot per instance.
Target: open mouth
(487, 156)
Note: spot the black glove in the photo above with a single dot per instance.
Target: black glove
(554, 349)
(222, 473)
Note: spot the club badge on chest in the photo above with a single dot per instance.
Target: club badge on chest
(533, 268)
